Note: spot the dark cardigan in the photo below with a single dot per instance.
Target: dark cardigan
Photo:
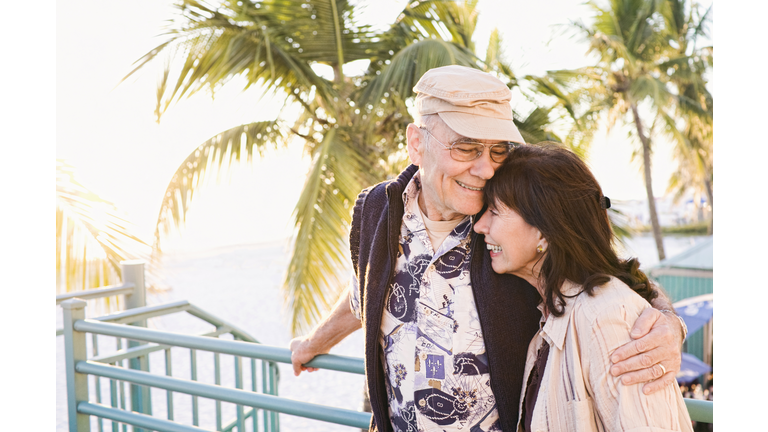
(506, 304)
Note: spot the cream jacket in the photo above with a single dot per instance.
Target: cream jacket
(577, 392)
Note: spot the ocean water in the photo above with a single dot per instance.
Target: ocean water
(241, 285)
(644, 248)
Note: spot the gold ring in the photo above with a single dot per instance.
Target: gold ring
(663, 369)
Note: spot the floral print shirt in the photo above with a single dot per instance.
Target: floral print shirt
(436, 368)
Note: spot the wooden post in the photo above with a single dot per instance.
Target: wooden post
(75, 351)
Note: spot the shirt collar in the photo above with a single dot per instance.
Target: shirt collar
(412, 189)
(557, 327)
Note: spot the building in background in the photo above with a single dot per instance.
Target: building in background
(687, 280)
(685, 211)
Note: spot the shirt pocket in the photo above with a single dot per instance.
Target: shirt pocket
(580, 416)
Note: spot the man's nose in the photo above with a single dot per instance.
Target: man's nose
(484, 167)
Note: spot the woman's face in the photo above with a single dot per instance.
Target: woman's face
(511, 240)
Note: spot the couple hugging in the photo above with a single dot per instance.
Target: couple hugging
(489, 293)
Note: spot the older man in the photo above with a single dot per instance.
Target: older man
(446, 337)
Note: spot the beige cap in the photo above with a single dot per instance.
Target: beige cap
(473, 103)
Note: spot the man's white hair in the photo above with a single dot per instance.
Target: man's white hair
(428, 121)
(432, 122)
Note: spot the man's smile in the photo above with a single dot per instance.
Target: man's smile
(465, 186)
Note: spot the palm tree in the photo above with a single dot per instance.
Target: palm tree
(630, 82)
(687, 69)
(91, 237)
(352, 127)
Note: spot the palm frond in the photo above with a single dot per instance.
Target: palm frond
(273, 43)
(408, 65)
(207, 160)
(701, 27)
(496, 62)
(535, 127)
(319, 266)
(548, 85)
(579, 97)
(92, 238)
(651, 88)
(329, 33)
(437, 19)
(446, 20)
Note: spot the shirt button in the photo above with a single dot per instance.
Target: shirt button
(423, 402)
(432, 268)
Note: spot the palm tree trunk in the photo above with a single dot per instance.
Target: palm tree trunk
(648, 184)
(708, 185)
(708, 188)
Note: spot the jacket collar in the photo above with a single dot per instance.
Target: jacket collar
(398, 185)
(557, 327)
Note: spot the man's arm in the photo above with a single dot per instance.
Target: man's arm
(657, 340)
(331, 330)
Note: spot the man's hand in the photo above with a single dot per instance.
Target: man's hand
(657, 342)
(302, 352)
(340, 323)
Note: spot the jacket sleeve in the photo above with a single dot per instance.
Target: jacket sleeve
(618, 406)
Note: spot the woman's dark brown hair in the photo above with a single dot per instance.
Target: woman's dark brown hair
(554, 191)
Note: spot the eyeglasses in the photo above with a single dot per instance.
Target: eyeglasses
(466, 150)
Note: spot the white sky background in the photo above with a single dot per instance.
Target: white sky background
(107, 131)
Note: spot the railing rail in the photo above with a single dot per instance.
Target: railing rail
(700, 410)
(236, 396)
(237, 348)
(132, 418)
(90, 294)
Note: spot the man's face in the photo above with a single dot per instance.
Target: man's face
(451, 189)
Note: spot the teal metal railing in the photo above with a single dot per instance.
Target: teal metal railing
(140, 342)
(132, 289)
(263, 398)
(136, 411)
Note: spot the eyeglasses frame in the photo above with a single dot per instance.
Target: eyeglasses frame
(509, 144)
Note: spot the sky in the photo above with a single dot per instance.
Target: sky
(106, 129)
(33, 113)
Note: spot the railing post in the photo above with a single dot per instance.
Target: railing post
(133, 272)
(75, 351)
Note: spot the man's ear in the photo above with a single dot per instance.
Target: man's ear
(416, 145)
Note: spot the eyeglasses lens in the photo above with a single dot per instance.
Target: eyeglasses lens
(468, 151)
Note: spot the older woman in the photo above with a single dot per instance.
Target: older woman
(547, 223)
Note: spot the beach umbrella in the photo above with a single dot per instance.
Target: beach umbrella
(691, 368)
(695, 311)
